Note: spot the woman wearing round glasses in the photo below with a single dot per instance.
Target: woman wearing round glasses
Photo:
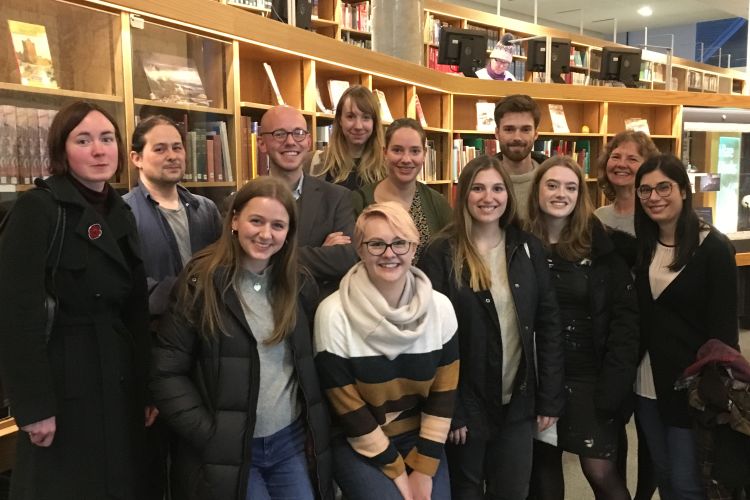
(511, 381)
(404, 155)
(686, 279)
(387, 355)
(354, 155)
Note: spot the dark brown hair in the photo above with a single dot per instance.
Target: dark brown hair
(138, 141)
(405, 123)
(65, 121)
(517, 103)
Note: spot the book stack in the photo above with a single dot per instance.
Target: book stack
(356, 16)
(23, 143)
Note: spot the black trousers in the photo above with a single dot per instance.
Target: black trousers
(496, 467)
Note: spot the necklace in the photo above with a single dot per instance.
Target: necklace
(664, 244)
(257, 286)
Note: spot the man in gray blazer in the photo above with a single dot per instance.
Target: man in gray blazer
(325, 215)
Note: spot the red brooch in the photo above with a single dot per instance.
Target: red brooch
(95, 231)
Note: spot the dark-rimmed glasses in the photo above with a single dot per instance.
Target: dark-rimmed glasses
(280, 135)
(376, 248)
(663, 189)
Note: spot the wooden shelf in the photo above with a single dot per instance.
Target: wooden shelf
(184, 107)
(72, 94)
(352, 31)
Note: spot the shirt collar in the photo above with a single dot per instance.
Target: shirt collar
(297, 192)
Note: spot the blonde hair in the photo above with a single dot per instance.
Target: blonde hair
(394, 214)
(336, 159)
(575, 239)
(222, 261)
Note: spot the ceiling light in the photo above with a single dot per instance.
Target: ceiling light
(645, 11)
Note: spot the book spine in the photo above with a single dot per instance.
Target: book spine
(227, 173)
(201, 154)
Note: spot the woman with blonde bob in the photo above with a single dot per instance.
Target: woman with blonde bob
(599, 330)
(496, 277)
(232, 371)
(387, 355)
(354, 156)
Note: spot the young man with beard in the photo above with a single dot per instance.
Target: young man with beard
(516, 121)
(325, 219)
(173, 223)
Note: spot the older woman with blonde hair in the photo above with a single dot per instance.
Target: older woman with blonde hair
(387, 355)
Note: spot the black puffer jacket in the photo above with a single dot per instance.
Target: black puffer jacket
(615, 325)
(208, 391)
(539, 382)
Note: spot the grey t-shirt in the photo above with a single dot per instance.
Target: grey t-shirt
(178, 221)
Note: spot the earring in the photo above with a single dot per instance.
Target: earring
(234, 232)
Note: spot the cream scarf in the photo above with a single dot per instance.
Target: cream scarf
(387, 330)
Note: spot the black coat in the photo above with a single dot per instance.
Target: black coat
(480, 385)
(615, 326)
(91, 375)
(207, 392)
(701, 303)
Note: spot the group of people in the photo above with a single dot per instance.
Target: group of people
(343, 327)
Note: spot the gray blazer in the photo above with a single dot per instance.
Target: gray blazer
(324, 208)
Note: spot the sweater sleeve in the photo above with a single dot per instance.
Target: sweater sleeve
(438, 409)
(722, 291)
(339, 384)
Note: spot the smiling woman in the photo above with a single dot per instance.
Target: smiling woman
(404, 156)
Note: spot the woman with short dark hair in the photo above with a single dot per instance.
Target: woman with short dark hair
(76, 373)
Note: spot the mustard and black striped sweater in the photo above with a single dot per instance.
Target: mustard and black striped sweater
(383, 382)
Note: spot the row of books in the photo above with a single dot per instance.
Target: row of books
(466, 149)
(492, 35)
(432, 58)
(356, 16)
(357, 42)
(23, 143)
(430, 171)
(260, 4)
(208, 158)
(432, 28)
(253, 162)
(578, 57)
(579, 150)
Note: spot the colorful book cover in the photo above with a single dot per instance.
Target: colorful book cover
(173, 79)
(33, 56)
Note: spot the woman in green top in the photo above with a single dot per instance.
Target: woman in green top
(404, 158)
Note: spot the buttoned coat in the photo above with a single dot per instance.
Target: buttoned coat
(91, 372)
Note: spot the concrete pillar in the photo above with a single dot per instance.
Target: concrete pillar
(397, 27)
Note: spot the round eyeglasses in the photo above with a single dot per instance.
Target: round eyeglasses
(280, 135)
(663, 189)
(377, 248)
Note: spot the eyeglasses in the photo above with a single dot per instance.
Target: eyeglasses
(663, 189)
(280, 135)
(377, 248)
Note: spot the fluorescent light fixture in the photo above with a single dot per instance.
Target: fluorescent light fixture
(645, 11)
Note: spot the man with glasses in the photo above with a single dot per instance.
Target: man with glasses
(325, 215)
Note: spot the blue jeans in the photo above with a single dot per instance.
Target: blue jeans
(360, 479)
(279, 468)
(673, 454)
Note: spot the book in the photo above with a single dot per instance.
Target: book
(557, 115)
(274, 84)
(414, 110)
(319, 102)
(31, 48)
(336, 89)
(173, 79)
(8, 153)
(225, 172)
(385, 111)
(485, 116)
(637, 125)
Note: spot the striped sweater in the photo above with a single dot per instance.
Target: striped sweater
(375, 395)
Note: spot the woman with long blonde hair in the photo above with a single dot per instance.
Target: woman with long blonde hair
(599, 331)
(354, 155)
(232, 371)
